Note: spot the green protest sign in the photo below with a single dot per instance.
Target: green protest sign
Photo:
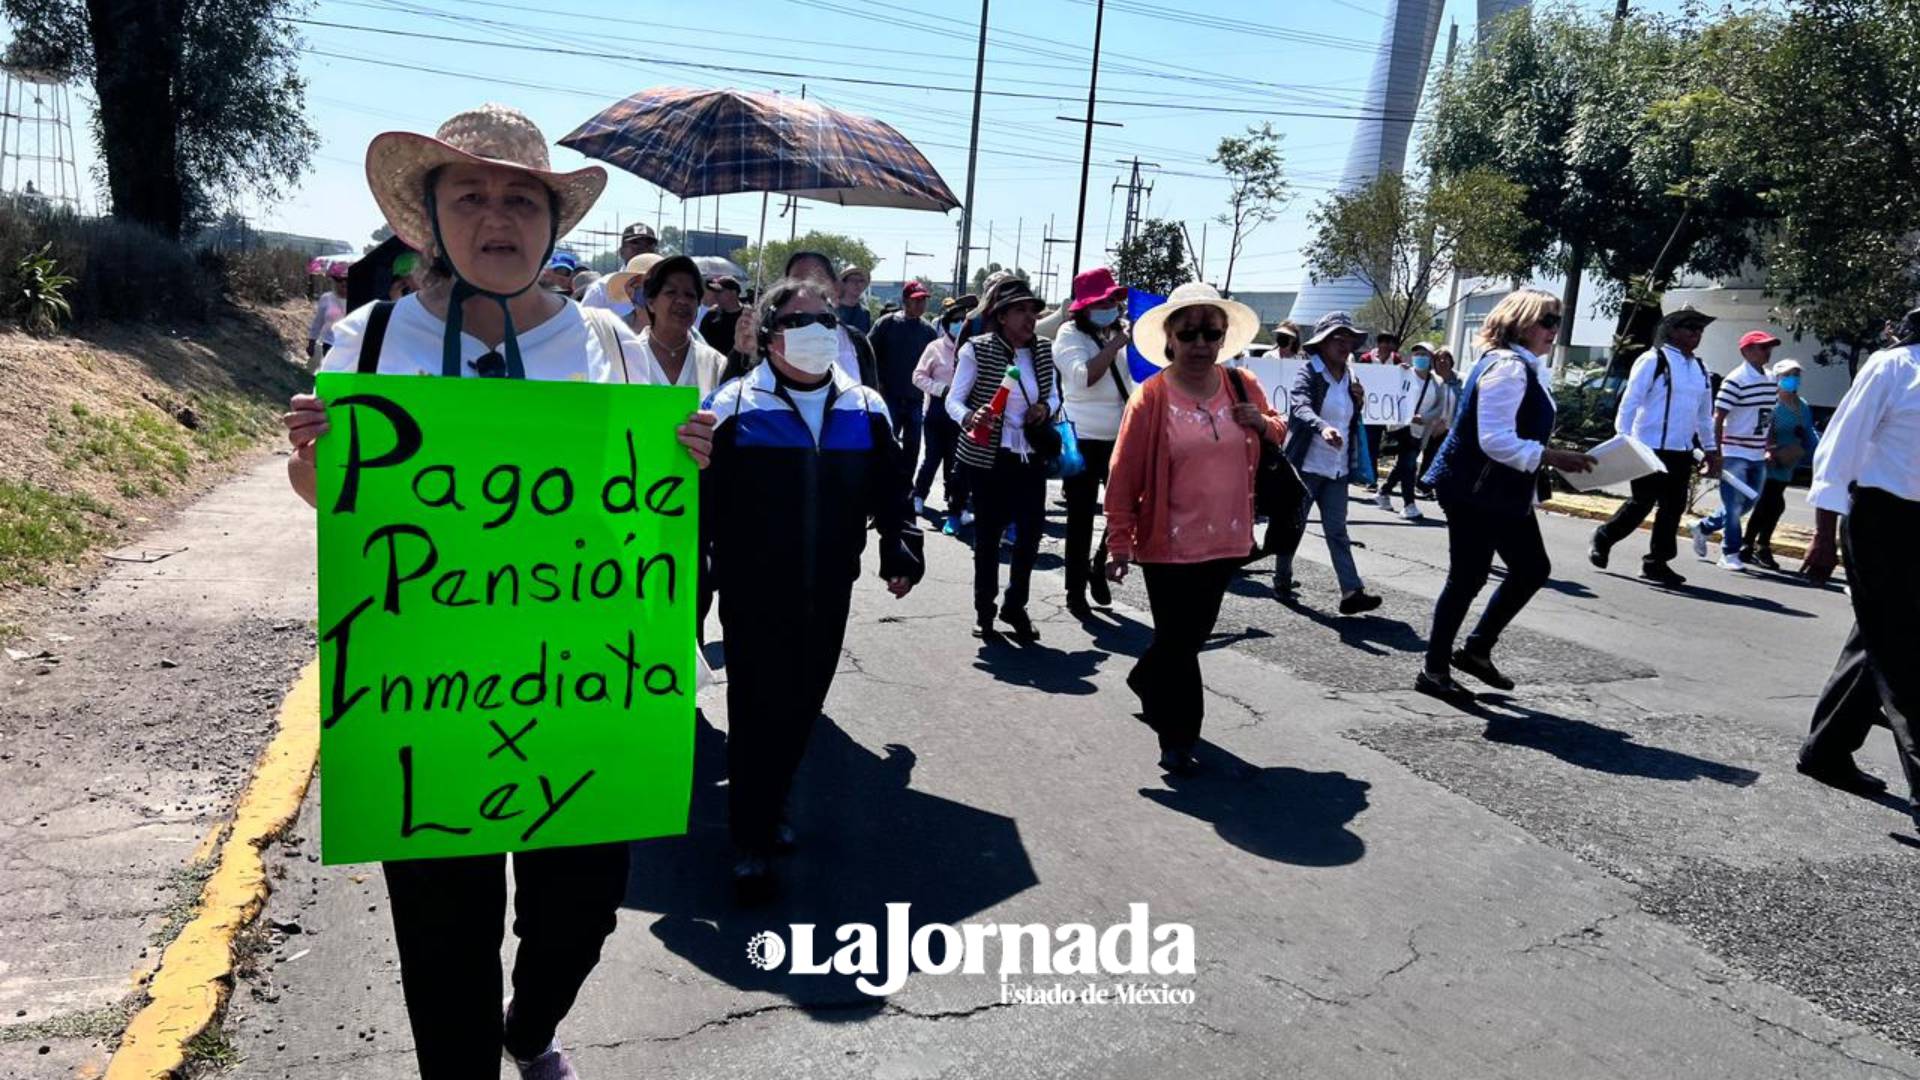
(507, 605)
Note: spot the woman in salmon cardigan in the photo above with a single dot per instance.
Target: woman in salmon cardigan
(1180, 496)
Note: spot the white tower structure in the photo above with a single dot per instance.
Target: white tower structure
(38, 164)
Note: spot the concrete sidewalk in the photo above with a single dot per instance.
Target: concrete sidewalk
(1362, 906)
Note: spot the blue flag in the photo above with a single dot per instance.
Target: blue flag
(1138, 304)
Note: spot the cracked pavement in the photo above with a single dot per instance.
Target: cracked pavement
(1615, 874)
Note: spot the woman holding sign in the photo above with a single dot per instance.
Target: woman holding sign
(803, 458)
(480, 200)
(1487, 478)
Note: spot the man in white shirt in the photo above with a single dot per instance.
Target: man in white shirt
(1742, 414)
(1668, 405)
(1866, 487)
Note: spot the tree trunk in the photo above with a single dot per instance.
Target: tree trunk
(137, 51)
(1570, 301)
(1632, 334)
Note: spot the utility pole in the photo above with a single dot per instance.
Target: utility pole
(907, 252)
(1086, 149)
(989, 244)
(1019, 224)
(973, 157)
(1135, 201)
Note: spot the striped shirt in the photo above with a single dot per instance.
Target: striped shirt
(1747, 397)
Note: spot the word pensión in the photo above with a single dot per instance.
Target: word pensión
(412, 555)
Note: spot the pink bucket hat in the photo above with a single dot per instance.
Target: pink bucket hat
(1095, 286)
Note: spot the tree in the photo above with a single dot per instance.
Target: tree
(982, 273)
(1155, 260)
(1606, 125)
(1834, 96)
(844, 250)
(198, 101)
(1404, 236)
(1258, 188)
(1378, 316)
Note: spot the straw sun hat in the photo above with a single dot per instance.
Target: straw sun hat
(398, 163)
(636, 269)
(1150, 329)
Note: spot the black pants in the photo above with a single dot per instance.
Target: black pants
(1666, 491)
(448, 917)
(1376, 443)
(1876, 675)
(1083, 498)
(1426, 457)
(943, 435)
(1474, 537)
(1766, 514)
(1185, 601)
(1406, 466)
(1013, 492)
(781, 657)
(904, 411)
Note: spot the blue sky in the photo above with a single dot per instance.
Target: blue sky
(1269, 59)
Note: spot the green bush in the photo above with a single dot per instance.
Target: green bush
(121, 272)
(264, 275)
(40, 292)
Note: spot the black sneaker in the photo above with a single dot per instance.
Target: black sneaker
(1597, 551)
(752, 879)
(985, 630)
(1481, 667)
(1359, 602)
(1077, 606)
(1661, 574)
(1763, 557)
(1178, 762)
(1442, 687)
(1844, 775)
(1023, 628)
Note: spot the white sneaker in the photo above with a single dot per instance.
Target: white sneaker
(1411, 512)
(1699, 540)
(1384, 501)
(1732, 562)
(919, 506)
(966, 518)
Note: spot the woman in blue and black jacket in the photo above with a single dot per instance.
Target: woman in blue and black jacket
(803, 458)
(1487, 478)
(1327, 443)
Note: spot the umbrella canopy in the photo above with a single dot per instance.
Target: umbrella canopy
(696, 143)
(714, 266)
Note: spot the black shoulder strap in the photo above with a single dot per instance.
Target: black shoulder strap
(375, 337)
(1234, 375)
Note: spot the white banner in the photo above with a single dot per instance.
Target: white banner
(1389, 387)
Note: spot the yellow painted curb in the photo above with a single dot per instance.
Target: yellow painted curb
(195, 971)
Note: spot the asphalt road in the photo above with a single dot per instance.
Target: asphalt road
(1613, 872)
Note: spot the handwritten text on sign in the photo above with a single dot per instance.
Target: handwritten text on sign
(507, 603)
(1390, 389)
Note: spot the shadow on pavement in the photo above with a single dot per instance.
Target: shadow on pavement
(1600, 749)
(1280, 813)
(1697, 591)
(1039, 666)
(1373, 634)
(866, 839)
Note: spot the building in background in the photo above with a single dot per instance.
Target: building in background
(1380, 140)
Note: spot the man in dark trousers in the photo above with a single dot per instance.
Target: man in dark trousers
(1668, 405)
(1866, 487)
(898, 340)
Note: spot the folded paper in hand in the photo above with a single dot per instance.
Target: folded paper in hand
(1616, 461)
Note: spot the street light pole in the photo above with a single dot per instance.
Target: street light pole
(1086, 151)
(973, 154)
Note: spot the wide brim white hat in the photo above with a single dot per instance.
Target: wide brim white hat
(398, 163)
(1150, 329)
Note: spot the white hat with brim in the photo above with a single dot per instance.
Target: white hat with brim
(399, 162)
(1150, 329)
(619, 283)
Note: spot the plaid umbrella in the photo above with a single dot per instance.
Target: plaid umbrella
(695, 143)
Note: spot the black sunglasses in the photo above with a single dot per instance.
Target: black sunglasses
(1550, 321)
(1213, 334)
(794, 320)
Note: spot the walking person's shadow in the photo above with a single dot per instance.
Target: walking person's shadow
(867, 839)
(1592, 746)
(1279, 812)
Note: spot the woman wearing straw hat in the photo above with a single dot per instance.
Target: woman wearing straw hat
(1327, 443)
(1487, 479)
(480, 200)
(1180, 496)
(1008, 479)
(1090, 351)
(623, 288)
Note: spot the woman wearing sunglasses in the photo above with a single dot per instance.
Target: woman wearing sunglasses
(803, 458)
(1487, 478)
(1007, 478)
(1180, 496)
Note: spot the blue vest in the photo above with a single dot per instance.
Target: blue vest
(1462, 473)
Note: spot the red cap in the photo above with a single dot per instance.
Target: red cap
(1758, 337)
(914, 289)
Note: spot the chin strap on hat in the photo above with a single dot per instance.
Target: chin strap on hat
(462, 289)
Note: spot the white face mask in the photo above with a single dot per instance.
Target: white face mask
(812, 348)
(1103, 317)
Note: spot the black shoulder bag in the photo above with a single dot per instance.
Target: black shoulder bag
(1278, 491)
